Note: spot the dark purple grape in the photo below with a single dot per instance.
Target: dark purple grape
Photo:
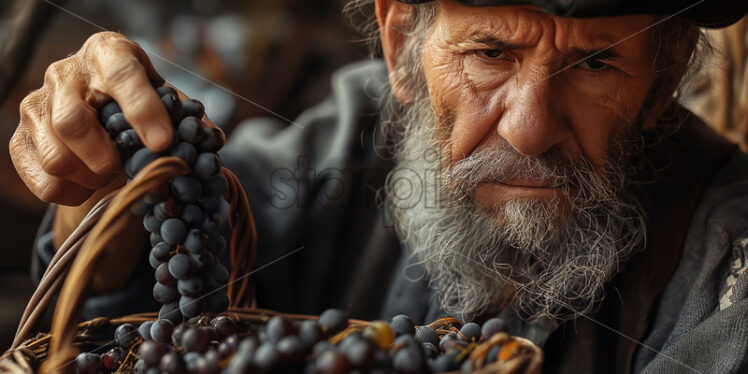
(402, 324)
(471, 331)
(208, 364)
(190, 287)
(151, 352)
(173, 106)
(241, 364)
(161, 330)
(109, 109)
(195, 339)
(190, 306)
(309, 333)
(349, 340)
(151, 223)
(206, 165)
(145, 330)
(128, 141)
(88, 363)
(202, 260)
(216, 244)
(267, 357)
(154, 261)
(167, 209)
(408, 361)
(162, 251)
(212, 224)
(116, 124)
(291, 350)
(361, 354)
(139, 367)
(138, 161)
(322, 347)
(196, 241)
(112, 359)
(430, 350)
(172, 363)
(192, 215)
(180, 266)
(225, 326)
(451, 341)
(279, 327)
(125, 335)
(164, 277)
(215, 186)
(191, 130)
(165, 90)
(192, 108)
(170, 312)
(493, 326)
(165, 294)
(185, 151)
(176, 336)
(332, 362)
(155, 238)
(174, 231)
(209, 203)
(332, 321)
(186, 189)
(426, 334)
(212, 142)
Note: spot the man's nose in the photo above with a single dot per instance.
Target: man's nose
(531, 122)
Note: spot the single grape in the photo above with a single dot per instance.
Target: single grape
(174, 231)
(165, 294)
(332, 321)
(212, 142)
(152, 223)
(471, 331)
(430, 350)
(161, 330)
(196, 241)
(191, 130)
(116, 124)
(190, 306)
(493, 326)
(125, 335)
(192, 108)
(451, 341)
(88, 363)
(190, 361)
(332, 362)
(164, 277)
(185, 151)
(267, 357)
(322, 347)
(195, 339)
(170, 312)
(402, 324)
(139, 367)
(208, 364)
(225, 326)
(180, 266)
(408, 361)
(291, 350)
(279, 327)
(380, 333)
(426, 334)
(172, 363)
(155, 238)
(309, 333)
(361, 354)
(145, 330)
(138, 161)
(128, 141)
(151, 352)
(112, 359)
(186, 189)
(165, 90)
(202, 260)
(206, 165)
(190, 287)
(176, 336)
(167, 209)
(153, 261)
(173, 106)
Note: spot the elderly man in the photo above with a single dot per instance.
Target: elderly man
(499, 161)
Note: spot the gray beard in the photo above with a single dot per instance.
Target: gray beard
(547, 258)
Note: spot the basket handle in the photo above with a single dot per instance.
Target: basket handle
(80, 275)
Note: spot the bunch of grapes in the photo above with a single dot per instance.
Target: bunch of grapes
(186, 229)
(328, 345)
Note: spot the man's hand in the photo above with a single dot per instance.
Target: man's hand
(59, 149)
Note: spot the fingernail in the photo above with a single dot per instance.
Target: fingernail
(158, 138)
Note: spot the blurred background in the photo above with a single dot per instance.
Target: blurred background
(278, 54)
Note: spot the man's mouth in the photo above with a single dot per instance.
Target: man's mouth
(528, 183)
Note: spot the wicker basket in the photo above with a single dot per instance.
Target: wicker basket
(72, 269)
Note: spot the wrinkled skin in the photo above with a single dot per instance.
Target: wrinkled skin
(518, 76)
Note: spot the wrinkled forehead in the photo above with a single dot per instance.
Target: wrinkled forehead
(529, 26)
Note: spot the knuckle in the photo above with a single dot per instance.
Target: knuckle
(71, 122)
(50, 192)
(56, 70)
(32, 103)
(122, 71)
(104, 164)
(55, 163)
(101, 40)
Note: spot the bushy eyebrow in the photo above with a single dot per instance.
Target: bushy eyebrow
(490, 41)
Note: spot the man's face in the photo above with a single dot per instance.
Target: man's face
(517, 77)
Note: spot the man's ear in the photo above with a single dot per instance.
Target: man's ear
(394, 17)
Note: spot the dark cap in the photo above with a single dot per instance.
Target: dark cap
(704, 13)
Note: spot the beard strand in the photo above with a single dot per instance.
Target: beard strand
(547, 258)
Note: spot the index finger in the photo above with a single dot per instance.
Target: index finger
(121, 74)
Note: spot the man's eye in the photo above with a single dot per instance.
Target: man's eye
(491, 53)
(593, 64)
